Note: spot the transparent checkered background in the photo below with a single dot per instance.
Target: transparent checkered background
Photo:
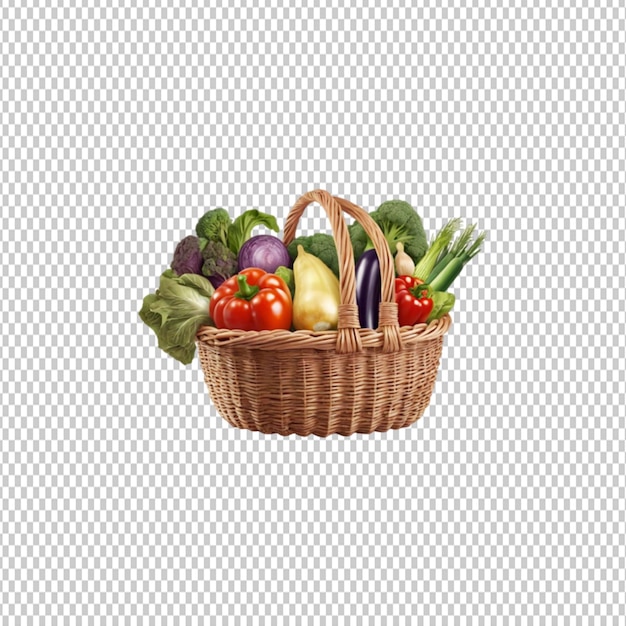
(125, 498)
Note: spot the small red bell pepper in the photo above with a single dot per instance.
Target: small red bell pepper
(414, 303)
(252, 300)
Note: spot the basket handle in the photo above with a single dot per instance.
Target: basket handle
(348, 337)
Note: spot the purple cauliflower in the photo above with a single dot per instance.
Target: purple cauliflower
(188, 257)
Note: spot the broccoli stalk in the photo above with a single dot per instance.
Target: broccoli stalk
(394, 234)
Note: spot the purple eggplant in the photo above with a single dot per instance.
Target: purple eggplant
(368, 289)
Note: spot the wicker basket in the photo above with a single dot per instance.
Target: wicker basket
(338, 381)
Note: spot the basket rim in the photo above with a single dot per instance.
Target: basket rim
(279, 340)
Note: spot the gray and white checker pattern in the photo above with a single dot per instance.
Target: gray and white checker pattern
(124, 498)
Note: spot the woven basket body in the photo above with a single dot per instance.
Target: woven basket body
(344, 381)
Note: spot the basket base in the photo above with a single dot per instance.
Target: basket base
(318, 432)
(312, 392)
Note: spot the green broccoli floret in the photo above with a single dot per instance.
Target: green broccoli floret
(399, 222)
(213, 226)
(320, 245)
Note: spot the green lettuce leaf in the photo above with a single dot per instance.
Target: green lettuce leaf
(443, 302)
(176, 311)
(241, 229)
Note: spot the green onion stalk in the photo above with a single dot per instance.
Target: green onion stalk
(440, 242)
(448, 274)
(454, 250)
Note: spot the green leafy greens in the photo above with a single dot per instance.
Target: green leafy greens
(176, 311)
(442, 304)
(286, 273)
(241, 229)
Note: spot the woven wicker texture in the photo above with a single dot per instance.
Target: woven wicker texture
(342, 381)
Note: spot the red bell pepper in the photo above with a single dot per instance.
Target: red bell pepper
(414, 303)
(252, 300)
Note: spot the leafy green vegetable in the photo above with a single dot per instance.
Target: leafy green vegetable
(241, 229)
(220, 262)
(286, 274)
(400, 223)
(216, 225)
(176, 311)
(442, 304)
(320, 245)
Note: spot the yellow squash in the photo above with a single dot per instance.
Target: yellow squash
(316, 301)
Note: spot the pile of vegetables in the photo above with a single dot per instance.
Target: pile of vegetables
(202, 263)
(225, 276)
